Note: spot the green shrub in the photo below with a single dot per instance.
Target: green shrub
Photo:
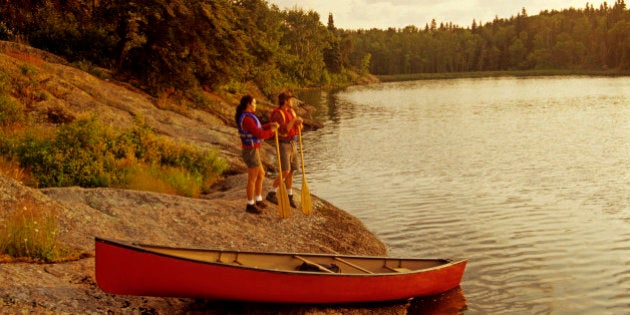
(77, 156)
(11, 111)
(152, 149)
(28, 70)
(90, 68)
(5, 82)
(89, 154)
(6, 33)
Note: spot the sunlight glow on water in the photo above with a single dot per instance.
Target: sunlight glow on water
(527, 178)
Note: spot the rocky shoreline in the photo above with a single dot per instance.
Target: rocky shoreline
(216, 220)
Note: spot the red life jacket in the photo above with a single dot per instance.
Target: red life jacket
(287, 116)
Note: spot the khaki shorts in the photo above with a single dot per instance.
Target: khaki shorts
(251, 157)
(288, 156)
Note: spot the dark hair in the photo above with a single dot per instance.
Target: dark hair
(245, 100)
(283, 97)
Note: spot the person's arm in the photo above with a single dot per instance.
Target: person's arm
(250, 126)
(296, 120)
(269, 125)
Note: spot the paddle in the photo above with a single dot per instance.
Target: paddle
(284, 207)
(307, 206)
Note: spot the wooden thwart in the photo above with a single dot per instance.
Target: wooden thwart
(352, 265)
(312, 263)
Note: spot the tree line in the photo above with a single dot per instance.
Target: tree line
(574, 39)
(165, 45)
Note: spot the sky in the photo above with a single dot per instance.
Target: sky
(382, 14)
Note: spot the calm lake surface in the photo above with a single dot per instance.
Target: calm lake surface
(528, 178)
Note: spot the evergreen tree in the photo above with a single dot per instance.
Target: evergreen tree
(332, 55)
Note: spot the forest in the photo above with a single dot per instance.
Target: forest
(571, 39)
(164, 45)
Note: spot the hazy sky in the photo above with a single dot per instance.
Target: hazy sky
(366, 14)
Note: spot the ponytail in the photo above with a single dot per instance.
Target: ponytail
(245, 100)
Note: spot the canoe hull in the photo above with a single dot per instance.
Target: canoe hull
(125, 269)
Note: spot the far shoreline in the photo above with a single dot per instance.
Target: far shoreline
(509, 73)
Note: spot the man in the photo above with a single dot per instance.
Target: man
(289, 123)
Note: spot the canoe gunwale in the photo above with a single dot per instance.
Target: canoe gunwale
(139, 247)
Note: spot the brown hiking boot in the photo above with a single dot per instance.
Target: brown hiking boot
(253, 209)
(261, 204)
(271, 197)
(291, 202)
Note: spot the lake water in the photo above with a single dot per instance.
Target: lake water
(528, 178)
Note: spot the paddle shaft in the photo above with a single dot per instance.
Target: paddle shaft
(301, 152)
(307, 206)
(284, 208)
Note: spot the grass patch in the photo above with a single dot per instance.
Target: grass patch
(146, 178)
(30, 234)
(165, 180)
(13, 170)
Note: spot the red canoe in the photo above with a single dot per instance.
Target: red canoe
(150, 270)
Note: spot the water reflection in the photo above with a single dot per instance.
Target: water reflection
(528, 178)
(451, 302)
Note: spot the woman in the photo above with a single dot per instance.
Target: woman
(252, 132)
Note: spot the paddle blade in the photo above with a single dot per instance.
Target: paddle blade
(284, 207)
(307, 206)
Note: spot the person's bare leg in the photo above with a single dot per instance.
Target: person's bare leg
(259, 181)
(252, 176)
(288, 178)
